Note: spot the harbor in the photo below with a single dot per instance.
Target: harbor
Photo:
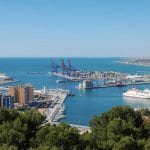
(80, 108)
(53, 107)
(87, 84)
(50, 102)
(103, 79)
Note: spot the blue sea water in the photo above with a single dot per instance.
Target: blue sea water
(86, 103)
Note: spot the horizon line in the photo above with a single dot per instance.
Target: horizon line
(74, 56)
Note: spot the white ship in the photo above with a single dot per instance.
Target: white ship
(136, 93)
(4, 76)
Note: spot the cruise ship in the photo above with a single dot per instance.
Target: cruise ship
(136, 93)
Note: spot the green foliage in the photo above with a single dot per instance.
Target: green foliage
(10, 136)
(7, 115)
(18, 128)
(6, 147)
(86, 141)
(144, 112)
(62, 136)
(4, 115)
(147, 145)
(126, 143)
(116, 127)
(119, 129)
(46, 148)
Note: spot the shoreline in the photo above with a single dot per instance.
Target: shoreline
(134, 63)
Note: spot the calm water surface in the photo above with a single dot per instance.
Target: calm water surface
(86, 103)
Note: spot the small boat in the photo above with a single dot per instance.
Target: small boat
(60, 81)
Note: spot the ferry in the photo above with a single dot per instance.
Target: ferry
(4, 76)
(136, 93)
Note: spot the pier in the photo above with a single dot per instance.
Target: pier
(52, 112)
(59, 96)
(113, 85)
(50, 102)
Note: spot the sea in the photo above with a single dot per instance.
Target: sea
(80, 108)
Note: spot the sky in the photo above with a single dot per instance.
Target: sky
(74, 28)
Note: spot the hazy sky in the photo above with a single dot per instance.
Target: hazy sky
(86, 28)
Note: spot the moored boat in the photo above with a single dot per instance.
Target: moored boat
(136, 93)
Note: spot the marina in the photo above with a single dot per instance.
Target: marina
(54, 110)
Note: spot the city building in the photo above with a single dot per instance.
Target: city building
(22, 94)
(7, 101)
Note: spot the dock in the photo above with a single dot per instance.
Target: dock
(54, 111)
(59, 96)
(114, 85)
(53, 102)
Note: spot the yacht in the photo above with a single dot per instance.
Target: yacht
(136, 93)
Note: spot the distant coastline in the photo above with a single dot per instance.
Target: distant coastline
(137, 61)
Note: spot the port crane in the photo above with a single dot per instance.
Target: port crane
(65, 69)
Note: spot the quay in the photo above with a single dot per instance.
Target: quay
(77, 76)
(68, 72)
(59, 97)
(112, 85)
(51, 113)
(55, 99)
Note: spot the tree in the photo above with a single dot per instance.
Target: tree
(62, 136)
(147, 145)
(9, 136)
(126, 143)
(4, 115)
(87, 142)
(115, 129)
(6, 147)
(110, 127)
